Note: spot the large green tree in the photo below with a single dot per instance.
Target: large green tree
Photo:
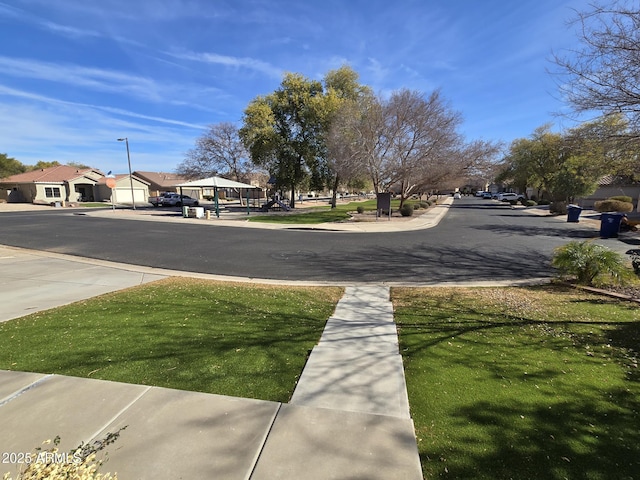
(566, 165)
(344, 97)
(10, 166)
(283, 131)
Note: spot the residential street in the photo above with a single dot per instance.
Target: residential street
(476, 240)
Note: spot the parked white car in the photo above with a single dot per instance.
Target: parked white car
(176, 200)
(507, 196)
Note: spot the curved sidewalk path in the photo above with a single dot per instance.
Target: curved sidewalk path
(422, 219)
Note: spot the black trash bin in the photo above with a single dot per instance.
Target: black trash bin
(573, 213)
(610, 225)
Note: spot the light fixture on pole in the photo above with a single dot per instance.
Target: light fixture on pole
(126, 140)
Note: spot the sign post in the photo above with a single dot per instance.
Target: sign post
(111, 183)
(383, 203)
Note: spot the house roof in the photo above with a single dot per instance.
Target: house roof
(122, 176)
(160, 178)
(57, 174)
(217, 182)
(615, 180)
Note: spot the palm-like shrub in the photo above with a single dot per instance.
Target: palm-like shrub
(589, 263)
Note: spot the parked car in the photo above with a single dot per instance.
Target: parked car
(169, 199)
(177, 200)
(486, 195)
(157, 201)
(479, 193)
(507, 196)
(457, 195)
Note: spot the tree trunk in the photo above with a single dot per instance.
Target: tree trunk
(402, 195)
(292, 200)
(335, 192)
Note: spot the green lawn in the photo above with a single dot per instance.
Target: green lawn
(523, 383)
(231, 339)
(322, 214)
(536, 383)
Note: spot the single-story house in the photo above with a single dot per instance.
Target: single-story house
(50, 185)
(160, 182)
(122, 190)
(612, 186)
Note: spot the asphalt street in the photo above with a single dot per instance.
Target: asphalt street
(477, 239)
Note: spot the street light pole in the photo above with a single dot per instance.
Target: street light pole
(126, 141)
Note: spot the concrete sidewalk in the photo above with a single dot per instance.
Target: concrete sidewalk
(34, 281)
(420, 220)
(357, 366)
(348, 418)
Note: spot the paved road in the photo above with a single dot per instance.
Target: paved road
(478, 239)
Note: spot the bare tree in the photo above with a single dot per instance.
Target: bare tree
(345, 156)
(218, 151)
(480, 161)
(602, 74)
(408, 142)
(356, 138)
(423, 141)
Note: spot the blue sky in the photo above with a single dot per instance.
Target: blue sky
(77, 75)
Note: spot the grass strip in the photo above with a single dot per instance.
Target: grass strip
(323, 214)
(231, 339)
(526, 383)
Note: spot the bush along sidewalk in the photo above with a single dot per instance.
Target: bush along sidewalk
(590, 264)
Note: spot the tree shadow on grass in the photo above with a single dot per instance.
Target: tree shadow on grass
(255, 353)
(563, 423)
(576, 439)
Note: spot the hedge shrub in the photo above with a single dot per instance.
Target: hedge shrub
(406, 210)
(610, 205)
(621, 198)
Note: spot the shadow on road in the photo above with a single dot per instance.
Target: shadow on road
(536, 231)
(426, 264)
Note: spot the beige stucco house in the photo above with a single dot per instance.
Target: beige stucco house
(50, 185)
(122, 191)
(611, 186)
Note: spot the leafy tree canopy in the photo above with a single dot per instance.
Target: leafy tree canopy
(10, 166)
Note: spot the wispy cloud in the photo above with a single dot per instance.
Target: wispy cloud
(7, 91)
(72, 132)
(93, 78)
(231, 62)
(58, 28)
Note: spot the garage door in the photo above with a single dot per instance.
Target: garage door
(123, 195)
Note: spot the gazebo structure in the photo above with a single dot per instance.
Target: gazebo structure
(216, 183)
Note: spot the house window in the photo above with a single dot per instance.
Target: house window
(52, 192)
